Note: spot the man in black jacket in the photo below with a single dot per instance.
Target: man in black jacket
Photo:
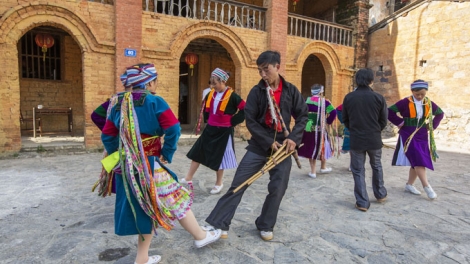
(365, 115)
(264, 141)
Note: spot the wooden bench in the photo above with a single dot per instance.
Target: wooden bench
(56, 111)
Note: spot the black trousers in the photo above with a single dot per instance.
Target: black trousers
(358, 159)
(222, 214)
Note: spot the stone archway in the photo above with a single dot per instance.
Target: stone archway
(211, 54)
(16, 23)
(233, 56)
(337, 77)
(313, 72)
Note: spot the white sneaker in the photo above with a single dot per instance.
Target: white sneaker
(312, 175)
(183, 181)
(326, 170)
(410, 188)
(153, 259)
(211, 236)
(224, 234)
(266, 235)
(217, 189)
(430, 192)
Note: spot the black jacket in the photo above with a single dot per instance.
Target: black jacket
(292, 104)
(365, 115)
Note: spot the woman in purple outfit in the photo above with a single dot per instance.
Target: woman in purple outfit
(317, 144)
(418, 116)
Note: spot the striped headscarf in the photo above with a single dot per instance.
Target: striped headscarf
(221, 74)
(139, 75)
(419, 84)
(317, 89)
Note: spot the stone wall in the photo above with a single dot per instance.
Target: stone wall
(430, 42)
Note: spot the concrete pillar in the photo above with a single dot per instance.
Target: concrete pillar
(128, 23)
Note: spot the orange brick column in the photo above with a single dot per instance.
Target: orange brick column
(276, 26)
(128, 21)
(362, 27)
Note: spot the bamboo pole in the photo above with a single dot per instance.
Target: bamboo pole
(278, 157)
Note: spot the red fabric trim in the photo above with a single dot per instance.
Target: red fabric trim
(110, 129)
(241, 105)
(167, 119)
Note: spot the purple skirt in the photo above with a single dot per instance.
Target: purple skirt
(308, 149)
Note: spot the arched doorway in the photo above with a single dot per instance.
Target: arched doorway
(312, 72)
(211, 55)
(51, 84)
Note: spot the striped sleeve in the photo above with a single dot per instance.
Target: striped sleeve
(393, 117)
(99, 115)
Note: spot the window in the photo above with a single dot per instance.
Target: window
(34, 64)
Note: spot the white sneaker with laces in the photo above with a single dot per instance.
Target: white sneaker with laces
(326, 170)
(410, 188)
(312, 175)
(430, 192)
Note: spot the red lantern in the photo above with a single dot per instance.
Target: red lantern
(295, 3)
(191, 59)
(44, 41)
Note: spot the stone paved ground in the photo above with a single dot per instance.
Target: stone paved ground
(48, 214)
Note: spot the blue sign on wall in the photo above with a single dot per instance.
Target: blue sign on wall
(130, 52)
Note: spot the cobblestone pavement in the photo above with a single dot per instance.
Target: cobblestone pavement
(48, 214)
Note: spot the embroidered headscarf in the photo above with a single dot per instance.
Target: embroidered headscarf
(419, 84)
(221, 74)
(139, 75)
(317, 89)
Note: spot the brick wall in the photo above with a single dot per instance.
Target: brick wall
(438, 33)
(163, 40)
(89, 64)
(67, 92)
(128, 35)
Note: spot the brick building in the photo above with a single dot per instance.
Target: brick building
(427, 40)
(93, 41)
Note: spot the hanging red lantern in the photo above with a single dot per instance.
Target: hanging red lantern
(294, 3)
(45, 41)
(191, 59)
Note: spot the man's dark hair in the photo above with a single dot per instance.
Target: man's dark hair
(364, 77)
(269, 57)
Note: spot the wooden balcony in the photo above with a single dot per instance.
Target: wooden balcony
(316, 29)
(229, 13)
(108, 2)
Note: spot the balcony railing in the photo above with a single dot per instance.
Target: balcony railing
(109, 2)
(311, 28)
(226, 12)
